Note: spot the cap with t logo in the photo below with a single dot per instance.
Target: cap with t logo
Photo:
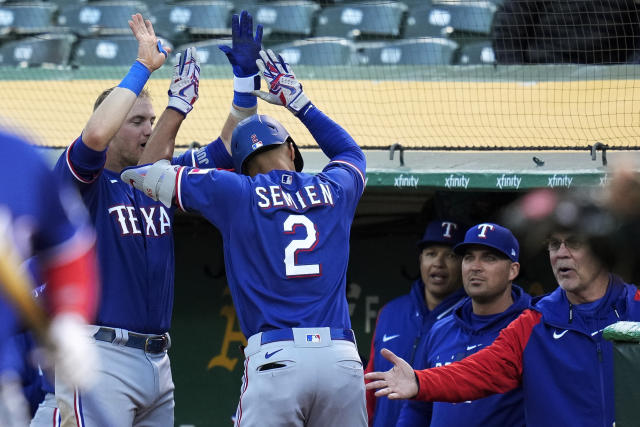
(442, 232)
(492, 235)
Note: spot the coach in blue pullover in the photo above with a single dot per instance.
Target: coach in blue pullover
(554, 350)
(489, 266)
(404, 322)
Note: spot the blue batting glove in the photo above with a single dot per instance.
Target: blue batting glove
(245, 47)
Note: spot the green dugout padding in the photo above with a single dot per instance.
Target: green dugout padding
(626, 366)
(626, 371)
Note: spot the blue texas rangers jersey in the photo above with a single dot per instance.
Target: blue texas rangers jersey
(454, 338)
(135, 244)
(286, 234)
(402, 327)
(43, 216)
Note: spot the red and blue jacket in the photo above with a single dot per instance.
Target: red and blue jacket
(402, 325)
(454, 338)
(555, 351)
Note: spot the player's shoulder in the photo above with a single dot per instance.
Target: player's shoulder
(14, 146)
(397, 305)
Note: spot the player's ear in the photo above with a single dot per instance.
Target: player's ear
(292, 152)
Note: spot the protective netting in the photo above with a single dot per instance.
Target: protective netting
(514, 74)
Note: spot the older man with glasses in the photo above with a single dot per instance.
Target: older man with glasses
(555, 350)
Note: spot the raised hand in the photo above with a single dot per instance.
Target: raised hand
(398, 382)
(284, 88)
(245, 47)
(150, 51)
(183, 92)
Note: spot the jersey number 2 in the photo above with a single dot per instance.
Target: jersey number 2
(302, 245)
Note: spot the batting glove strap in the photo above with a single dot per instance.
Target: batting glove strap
(246, 84)
(179, 104)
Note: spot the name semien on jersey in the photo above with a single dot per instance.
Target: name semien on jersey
(274, 196)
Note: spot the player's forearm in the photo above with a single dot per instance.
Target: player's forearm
(236, 115)
(330, 136)
(162, 141)
(111, 113)
(107, 118)
(495, 369)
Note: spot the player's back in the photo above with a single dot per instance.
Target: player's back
(287, 251)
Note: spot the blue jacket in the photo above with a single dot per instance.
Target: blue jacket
(402, 324)
(454, 338)
(556, 352)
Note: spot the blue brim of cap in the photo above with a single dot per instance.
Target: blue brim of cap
(460, 248)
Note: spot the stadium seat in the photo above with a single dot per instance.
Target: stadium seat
(185, 20)
(101, 18)
(208, 51)
(46, 49)
(285, 17)
(107, 51)
(442, 19)
(422, 51)
(27, 18)
(476, 53)
(318, 51)
(380, 19)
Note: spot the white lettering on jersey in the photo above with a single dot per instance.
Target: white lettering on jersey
(123, 224)
(276, 195)
(301, 200)
(326, 194)
(133, 219)
(201, 156)
(288, 199)
(128, 222)
(264, 203)
(165, 222)
(148, 220)
(311, 195)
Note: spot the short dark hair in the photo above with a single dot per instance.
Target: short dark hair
(143, 94)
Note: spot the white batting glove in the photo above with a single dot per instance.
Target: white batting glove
(183, 92)
(74, 355)
(284, 88)
(157, 180)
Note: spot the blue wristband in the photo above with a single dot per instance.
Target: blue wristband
(136, 78)
(244, 100)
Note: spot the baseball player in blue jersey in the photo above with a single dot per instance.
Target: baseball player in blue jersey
(403, 323)
(40, 217)
(136, 239)
(490, 255)
(286, 245)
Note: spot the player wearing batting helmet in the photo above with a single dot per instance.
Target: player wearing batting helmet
(135, 233)
(403, 323)
(286, 246)
(554, 350)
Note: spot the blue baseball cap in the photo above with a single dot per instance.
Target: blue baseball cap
(442, 232)
(492, 235)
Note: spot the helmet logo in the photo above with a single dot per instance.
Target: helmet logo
(256, 143)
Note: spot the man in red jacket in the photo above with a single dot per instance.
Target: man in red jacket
(555, 350)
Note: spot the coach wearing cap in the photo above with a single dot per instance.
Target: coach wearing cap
(554, 350)
(489, 265)
(404, 322)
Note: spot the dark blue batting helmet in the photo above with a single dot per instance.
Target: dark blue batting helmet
(256, 134)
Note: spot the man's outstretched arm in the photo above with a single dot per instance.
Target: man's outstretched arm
(495, 369)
